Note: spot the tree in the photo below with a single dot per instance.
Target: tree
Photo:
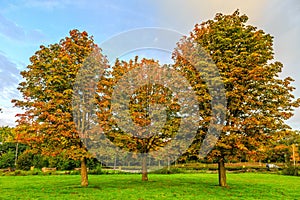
(47, 124)
(287, 148)
(138, 110)
(258, 101)
(9, 147)
(122, 138)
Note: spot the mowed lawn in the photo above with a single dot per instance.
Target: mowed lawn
(129, 186)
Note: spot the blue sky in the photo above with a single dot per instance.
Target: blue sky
(26, 24)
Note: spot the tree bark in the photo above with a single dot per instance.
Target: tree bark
(144, 168)
(84, 173)
(222, 173)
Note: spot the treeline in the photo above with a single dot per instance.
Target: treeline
(25, 159)
(19, 156)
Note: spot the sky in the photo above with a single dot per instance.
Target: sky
(27, 24)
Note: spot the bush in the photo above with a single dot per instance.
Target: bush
(7, 159)
(291, 171)
(28, 159)
(93, 163)
(76, 172)
(25, 161)
(96, 171)
(171, 170)
(62, 163)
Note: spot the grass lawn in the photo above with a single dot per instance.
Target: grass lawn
(129, 186)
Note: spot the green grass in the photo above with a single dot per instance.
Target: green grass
(129, 186)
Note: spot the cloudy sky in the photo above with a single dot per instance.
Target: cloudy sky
(26, 24)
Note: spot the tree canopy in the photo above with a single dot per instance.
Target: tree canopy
(149, 122)
(47, 123)
(258, 100)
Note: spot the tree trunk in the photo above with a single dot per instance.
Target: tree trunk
(16, 155)
(144, 168)
(294, 159)
(115, 162)
(222, 173)
(84, 173)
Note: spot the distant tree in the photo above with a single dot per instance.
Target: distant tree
(258, 101)
(286, 149)
(47, 124)
(7, 134)
(9, 147)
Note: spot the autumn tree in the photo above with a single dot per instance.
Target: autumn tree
(47, 124)
(138, 106)
(286, 149)
(258, 100)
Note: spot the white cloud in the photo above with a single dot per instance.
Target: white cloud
(13, 31)
(7, 116)
(9, 79)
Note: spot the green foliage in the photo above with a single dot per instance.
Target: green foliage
(8, 154)
(7, 134)
(60, 162)
(166, 170)
(97, 170)
(291, 170)
(93, 163)
(9, 146)
(25, 161)
(7, 159)
(28, 159)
